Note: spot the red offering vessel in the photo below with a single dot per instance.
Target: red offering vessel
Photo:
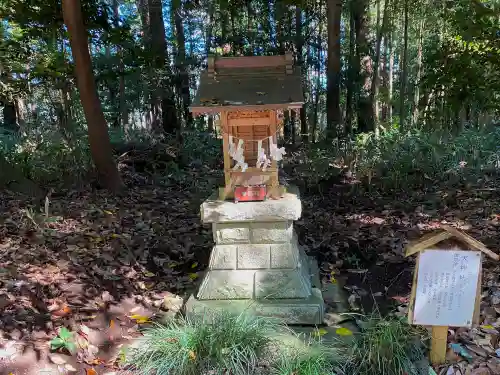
(250, 193)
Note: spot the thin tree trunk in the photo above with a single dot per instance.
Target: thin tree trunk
(375, 81)
(416, 94)
(404, 69)
(100, 145)
(390, 78)
(299, 43)
(163, 103)
(318, 78)
(350, 74)
(123, 119)
(180, 60)
(365, 65)
(333, 70)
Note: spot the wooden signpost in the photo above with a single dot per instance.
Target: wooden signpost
(446, 288)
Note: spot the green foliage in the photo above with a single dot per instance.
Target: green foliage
(48, 158)
(399, 159)
(63, 341)
(384, 347)
(187, 347)
(313, 358)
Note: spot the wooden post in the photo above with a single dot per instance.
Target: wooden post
(439, 344)
(225, 150)
(211, 65)
(289, 62)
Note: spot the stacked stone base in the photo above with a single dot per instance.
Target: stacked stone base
(257, 265)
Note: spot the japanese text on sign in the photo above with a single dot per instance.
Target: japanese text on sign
(446, 287)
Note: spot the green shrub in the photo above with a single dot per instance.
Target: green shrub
(233, 344)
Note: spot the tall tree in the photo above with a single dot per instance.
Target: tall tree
(333, 69)
(364, 65)
(100, 145)
(163, 101)
(376, 69)
(351, 73)
(299, 45)
(180, 60)
(404, 67)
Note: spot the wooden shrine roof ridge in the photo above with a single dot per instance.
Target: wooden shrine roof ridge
(446, 232)
(249, 83)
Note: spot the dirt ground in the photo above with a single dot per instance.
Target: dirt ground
(101, 265)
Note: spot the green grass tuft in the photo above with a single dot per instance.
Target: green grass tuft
(384, 347)
(312, 359)
(232, 345)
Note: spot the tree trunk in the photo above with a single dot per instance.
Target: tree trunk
(364, 64)
(10, 116)
(163, 101)
(390, 78)
(404, 70)
(416, 94)
(375, 81)
(123, 118)
(350, 74)
(100, 145)
(143, 8)
(299, 44)
(318, 78)
(333, 69)
(180, 61)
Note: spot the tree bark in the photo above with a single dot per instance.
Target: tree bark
(100, 145)
(375, 81)
(333, 69)
(123, 119)
(350, 74)
(10, 116)
(364, 65)
(404, 70)
(163, 101)
(416, 94)
(299, 44)
(390, 78)
(180, 61)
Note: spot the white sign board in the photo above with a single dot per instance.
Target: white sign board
(446, 287)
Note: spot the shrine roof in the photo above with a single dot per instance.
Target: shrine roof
(250, 83)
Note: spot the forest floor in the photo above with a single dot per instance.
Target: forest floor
(102, 265)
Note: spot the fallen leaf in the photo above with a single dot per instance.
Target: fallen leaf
(320, 332)
(194, 265)
(84, 330)
(111, 323)
(57, 359)
(140, 319)
(149, 274)
(342, 331)
(400, 299)
(91, 371)
(193, 276)
(70, 368)
(192, 355)
(461, 351)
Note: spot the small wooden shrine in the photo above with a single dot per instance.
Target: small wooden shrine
(250, 94)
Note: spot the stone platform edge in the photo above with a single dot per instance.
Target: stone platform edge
(288, 208)
(308, 311)
(299, 311)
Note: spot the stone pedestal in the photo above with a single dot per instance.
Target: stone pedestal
(257, 264)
